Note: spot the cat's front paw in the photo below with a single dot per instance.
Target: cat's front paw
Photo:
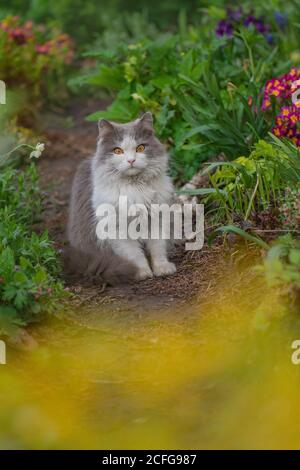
(144, 273)
(164, 268)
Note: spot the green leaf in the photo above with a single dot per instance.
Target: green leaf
(9, 320)
(7, 262)
(107, 77)
(20, 277)
(242, 233)
(40, 276)
(162, 81)
(201, 191)
(294, 257)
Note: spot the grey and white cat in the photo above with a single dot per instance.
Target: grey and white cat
(129, 161)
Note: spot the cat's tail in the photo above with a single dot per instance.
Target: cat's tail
(106, 266)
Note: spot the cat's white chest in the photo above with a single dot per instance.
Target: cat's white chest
(138, 194)
(155, 193)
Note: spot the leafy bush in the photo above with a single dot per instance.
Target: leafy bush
(281, 270)
(281, 265)
(125, 29)
(252, 184)
(28, 264)
(33, 58)
(86, 21)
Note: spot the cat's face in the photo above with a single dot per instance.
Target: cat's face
(130, 149)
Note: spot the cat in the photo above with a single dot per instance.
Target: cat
(129, 161)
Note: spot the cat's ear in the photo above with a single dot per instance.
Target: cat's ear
(105, 127)
(147, 119)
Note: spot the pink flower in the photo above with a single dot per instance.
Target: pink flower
(42, 48)
(287, 121)
(28, 25)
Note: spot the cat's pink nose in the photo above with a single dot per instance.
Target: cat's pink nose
(131, 161)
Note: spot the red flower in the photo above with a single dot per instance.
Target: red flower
(18, 36)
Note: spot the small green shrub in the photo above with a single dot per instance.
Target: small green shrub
(252, 184)
(28, 262)
(281, 265)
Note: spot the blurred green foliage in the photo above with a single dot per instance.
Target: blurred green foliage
(86, 20)
(281, 265)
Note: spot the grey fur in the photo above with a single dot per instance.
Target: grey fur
(101, 180)
(83, 255)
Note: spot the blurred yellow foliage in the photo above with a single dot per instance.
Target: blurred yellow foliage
(212, 380)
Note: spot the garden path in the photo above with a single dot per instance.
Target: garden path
(67, 143)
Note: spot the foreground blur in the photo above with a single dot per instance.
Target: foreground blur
(220, 378)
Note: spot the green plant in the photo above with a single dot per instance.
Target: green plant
(28, 262)
(221, 120)
(92, 19)
(252, 184)
(281, 265)
(226, 229)
(223, 108)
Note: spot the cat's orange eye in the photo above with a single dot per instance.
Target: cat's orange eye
(118, 151)
(140, 148)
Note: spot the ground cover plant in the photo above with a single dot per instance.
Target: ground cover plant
(28, 262)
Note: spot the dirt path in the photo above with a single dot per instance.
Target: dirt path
(197, 272)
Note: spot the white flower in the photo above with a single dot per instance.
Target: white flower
(37, 152)
(40, 147)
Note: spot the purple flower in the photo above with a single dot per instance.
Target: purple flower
(237, 18)
(281, 19)
(258, 23)
(235, 15)
(249, 20)
(224, 27)
(261, 26)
